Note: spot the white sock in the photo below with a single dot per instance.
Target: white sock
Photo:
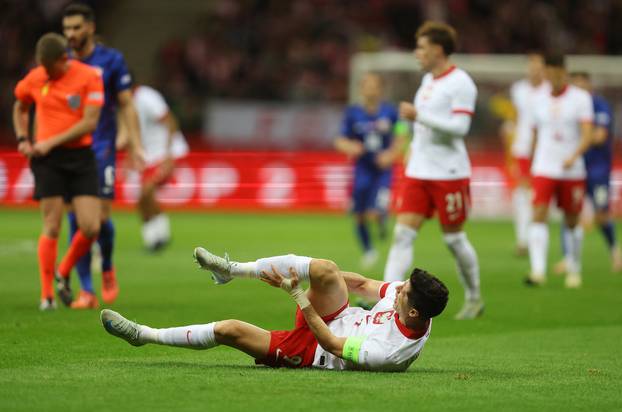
(468, 265)
(538, 248)
(401, 254)
(521, 202)
(282, 264)
(574, 247)
(163, 227)
(193, 336)
(149, 231)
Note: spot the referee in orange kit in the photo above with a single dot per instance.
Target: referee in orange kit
(68, 96)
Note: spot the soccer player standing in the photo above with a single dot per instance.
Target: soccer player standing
(164, 145)
(79, 29)
(523, 94)
(438, 170)
(563, 120)
(371, 135)
(598, 161)
(68, 96)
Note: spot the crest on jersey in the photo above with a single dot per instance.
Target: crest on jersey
(74, 101)
(45, 89)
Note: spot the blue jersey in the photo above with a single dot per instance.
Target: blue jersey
(116, 79)
(374, 130)
(598, 158)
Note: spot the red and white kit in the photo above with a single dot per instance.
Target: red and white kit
(152, 108)
(387, 345)
(439, 169)
(524, 96)
(558, 120)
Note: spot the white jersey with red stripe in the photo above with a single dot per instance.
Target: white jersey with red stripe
(558, 121)
(524, 95)
(387, 345)
(436, 154)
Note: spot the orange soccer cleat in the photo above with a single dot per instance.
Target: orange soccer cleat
(110, 288)
(86, 300)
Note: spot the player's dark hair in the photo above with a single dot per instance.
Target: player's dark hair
(583, 75)
(80, 9)
(555, 60)
(439, 33)
(427, 294)
(50, 48)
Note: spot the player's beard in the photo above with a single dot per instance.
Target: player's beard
(78, 44)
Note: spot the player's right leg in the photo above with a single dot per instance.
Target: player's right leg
(52, 212)
(243, 336)
(538, 236)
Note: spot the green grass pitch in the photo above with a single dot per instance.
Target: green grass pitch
(543, 349)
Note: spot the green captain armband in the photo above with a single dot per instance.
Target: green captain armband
(352, 347)
(401, 128)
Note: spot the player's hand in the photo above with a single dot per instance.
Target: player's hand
(408, 111)
(41, 148)
(25, 148)
(137, 159)
(276, 279)
(385, 159)
(355, 149)
(569, 162)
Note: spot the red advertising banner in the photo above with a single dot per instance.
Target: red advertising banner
(272, 181)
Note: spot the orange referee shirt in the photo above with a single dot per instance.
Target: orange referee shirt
(60, 102)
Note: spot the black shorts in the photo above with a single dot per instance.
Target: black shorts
(65, 172)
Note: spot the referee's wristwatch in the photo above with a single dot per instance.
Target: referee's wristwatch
(22, 139)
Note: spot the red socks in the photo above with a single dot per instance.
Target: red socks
(80, 244)
(47, 259)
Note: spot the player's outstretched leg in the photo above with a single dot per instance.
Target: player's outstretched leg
(234, 333)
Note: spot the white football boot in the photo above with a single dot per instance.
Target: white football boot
(220, 267)
(118, 326)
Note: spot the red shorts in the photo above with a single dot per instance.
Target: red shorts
(451, 198)
(569, 193)
(294, 348)
(157, 175)
(523, 167)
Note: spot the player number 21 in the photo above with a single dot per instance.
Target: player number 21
(453, 202)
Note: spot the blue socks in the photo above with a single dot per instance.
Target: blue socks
(609, 233)
(362, 233)
(83, 267)
(106, 244)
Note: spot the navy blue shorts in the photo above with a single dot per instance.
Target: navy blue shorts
(598, 193)
(371, 191)
(106, 171)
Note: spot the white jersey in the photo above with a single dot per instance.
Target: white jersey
(438, 155)
(524, 95)
(151, 108)
(558, 121)
(387, 346)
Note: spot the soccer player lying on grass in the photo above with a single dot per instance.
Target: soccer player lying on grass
(328, 334)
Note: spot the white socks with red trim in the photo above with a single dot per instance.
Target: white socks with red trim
(573, 241)
(468, 265)
(521, 204)
(193, 336)
(400, 256)
(538, 249)
(282, 264)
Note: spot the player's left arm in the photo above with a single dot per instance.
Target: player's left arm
(602, 122)
(321, 331)
(87, 124)
(585, 115)
(389, 156)
(458, 122)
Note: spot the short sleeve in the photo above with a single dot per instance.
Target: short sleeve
(514, 95)
(95, 89)
(23, 91)
(465, 95)
(585, 108)
(388, 289)
(346, 124)
(153, 103)
(602, 114)
(122, 76)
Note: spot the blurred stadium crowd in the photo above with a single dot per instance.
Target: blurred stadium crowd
(299, 50)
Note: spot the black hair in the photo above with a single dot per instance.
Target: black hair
(80, 9)
(428, 294)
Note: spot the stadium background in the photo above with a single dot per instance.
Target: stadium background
(288, 63)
